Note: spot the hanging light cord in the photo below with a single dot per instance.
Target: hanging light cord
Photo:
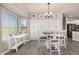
(48, 7)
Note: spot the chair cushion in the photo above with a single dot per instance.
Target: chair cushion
(54, 41)
(43, 37)
(61, 37)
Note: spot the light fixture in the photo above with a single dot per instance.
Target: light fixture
(48, 14)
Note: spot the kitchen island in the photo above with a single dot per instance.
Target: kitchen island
(75, 35)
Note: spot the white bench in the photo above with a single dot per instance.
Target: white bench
(16, 40)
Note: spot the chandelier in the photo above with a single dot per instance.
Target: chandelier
(48, 14)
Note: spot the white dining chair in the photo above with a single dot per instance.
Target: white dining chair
(41, 40)
(62, 38)
(55, 43)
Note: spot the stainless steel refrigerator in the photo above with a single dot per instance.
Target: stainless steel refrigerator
(70, 28)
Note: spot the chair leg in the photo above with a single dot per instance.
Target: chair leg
(24, 42)
(29, 43)
(50, 48)
(59, 52)
(38, 43)
(50, 51)
(16, 49)
(65, 43)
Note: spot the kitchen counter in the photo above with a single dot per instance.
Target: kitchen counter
(75, 35)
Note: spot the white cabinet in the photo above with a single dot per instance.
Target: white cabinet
(43, 25)
(75, 35)
(33, 28)
(57, 23)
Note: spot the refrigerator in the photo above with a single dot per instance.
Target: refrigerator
(70, 28)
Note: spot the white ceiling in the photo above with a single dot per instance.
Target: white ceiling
(22, 9)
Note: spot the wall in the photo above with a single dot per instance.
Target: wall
(0, 26)
(64, 23)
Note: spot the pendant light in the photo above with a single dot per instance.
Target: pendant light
(48, 14)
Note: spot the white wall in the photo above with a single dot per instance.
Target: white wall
(0, 32)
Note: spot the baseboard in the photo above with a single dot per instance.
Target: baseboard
(4, 52)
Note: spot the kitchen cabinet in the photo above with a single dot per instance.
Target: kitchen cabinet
(75, 35)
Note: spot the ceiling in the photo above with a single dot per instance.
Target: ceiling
(24, 9)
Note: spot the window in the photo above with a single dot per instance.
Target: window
(9, 24)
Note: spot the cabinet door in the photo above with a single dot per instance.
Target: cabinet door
(57, 24)
(74, 36)
(34, 29)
